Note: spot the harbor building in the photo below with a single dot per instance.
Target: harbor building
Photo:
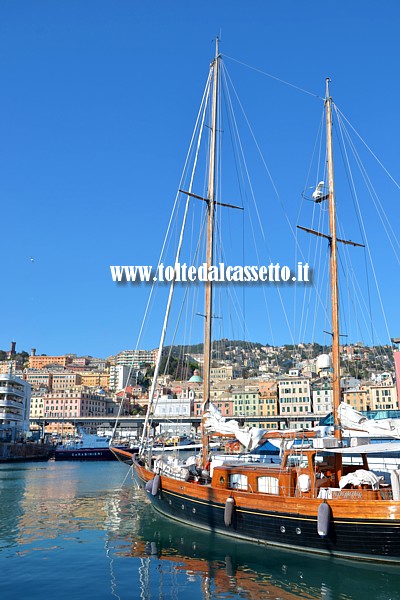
(15, 398)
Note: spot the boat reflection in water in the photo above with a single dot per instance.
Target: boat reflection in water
(82, 515)
(203, 565)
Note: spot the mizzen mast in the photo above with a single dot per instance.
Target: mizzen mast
(333, 264)
(209, 250)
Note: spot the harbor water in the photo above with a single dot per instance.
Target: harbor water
(84, 531)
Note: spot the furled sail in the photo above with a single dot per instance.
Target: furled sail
(352, 419)
(214, 422)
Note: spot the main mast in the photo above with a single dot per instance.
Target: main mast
(333, 264)
(209, 251)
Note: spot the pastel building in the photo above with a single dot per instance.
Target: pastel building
(295, 398)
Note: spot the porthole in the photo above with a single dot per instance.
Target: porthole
(170, 502)
(222, 479)
(283, 529)
(298, 530)
(183, 507)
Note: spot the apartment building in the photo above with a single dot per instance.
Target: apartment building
(65, 381)
(246, 401)
(39, 379)
(268, 402)
(74, 403)
(358, 398)
(383, 397)
(39, 362)
(97, 379)
(136, 358)
(224, 403)
(222, 372)
(322, 397)
(295, 397)
(15, 397)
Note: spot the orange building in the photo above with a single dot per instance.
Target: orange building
(38, 362)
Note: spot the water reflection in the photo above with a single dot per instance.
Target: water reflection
(226, 568)
(78, 514)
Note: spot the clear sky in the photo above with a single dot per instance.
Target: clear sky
(98, 100)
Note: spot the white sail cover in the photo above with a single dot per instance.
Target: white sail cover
(360, 477)
(352, 419)
(214, 422)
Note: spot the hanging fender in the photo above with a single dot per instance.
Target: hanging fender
(153, 485)
(229, 510)
(156, 485)
(324, 517)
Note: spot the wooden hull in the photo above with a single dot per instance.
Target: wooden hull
(282, 521)
(123, 455)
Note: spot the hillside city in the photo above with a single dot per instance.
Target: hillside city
(271, 386)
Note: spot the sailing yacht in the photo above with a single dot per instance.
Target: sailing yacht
(313, 501)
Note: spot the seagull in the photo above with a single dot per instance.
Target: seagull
(319, 191)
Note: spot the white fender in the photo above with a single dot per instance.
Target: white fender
(229, 509)
(324, 517)
(156, 485)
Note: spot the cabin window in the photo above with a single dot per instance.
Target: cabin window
(268, 485)
(237, 481)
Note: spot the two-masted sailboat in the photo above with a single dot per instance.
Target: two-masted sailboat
(313, 501)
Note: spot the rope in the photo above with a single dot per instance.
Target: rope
(292, 85)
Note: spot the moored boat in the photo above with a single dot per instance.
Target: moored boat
(313, 501)
(85, 447)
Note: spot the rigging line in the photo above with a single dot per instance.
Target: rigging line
(292, 85)
(372, 263)
(369, 149)
(375, 197)
(350, 179)
(172, 286)
(201, 110)
(236, 305)
(203, 103)
(187, 287)
(252, 196)
(241, 181)
(201, 237)
(318, 260)
(317, 252)
(307, 291)
(318, 138)
(276, 193)
(357, 298)
(239, 176)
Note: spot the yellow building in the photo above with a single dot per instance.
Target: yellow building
(268, 401)
(95, 379)
(358, 398)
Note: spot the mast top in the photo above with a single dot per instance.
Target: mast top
(327, 92)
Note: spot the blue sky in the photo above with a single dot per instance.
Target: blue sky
(98, 101)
